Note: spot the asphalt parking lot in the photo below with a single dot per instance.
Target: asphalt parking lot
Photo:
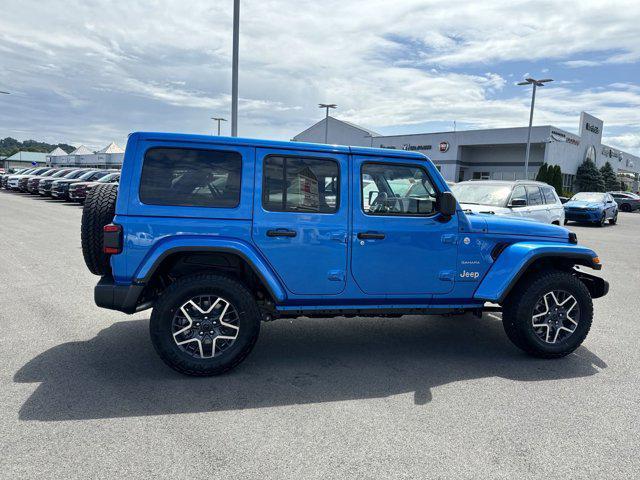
(85, 396)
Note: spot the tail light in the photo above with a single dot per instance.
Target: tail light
(112, 239)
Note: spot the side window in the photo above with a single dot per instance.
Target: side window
(389, 189)
(519, 193)
(191, 177)
(534, 196)
(296, 184)
(549, 195)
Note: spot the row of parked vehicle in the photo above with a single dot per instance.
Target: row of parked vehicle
(539, 201)
(66, 183)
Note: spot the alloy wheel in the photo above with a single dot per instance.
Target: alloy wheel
(555, 316)
(205, 326)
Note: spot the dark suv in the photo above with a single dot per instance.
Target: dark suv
(218, 234)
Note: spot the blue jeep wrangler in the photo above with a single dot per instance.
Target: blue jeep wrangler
(218, 234)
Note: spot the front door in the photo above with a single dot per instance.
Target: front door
(300, 218)
(401, 245)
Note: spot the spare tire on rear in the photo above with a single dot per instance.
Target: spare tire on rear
(99, 210)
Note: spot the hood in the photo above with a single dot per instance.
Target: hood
(502, 225)
(583, 204)
(485, 209)
(67, 180)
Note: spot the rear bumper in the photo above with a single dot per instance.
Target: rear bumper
(123, 298)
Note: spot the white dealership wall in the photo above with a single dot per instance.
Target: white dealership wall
(498, 153)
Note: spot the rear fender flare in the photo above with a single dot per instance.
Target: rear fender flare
(207, 244)
(514, 261)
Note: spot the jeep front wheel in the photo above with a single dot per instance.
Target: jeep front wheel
(549, 315)
(204, 324)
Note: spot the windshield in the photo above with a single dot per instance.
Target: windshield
(75, 174)
(588, 197)
(478, 193)
(60, 173)
(108, 178)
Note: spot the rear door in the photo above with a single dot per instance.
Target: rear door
(554, 207)
(536, 209)
(301, 217)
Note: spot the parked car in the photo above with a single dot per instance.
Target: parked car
(591, 207)
(60, 188)
(44, 186)
(34, 182)
(12, 171)
(23, 182)
(205, 233)
(5, 177)
(627, 201)
(13, 182)
(525, 199)
(78, 191)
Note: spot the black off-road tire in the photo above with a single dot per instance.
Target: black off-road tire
(518, 309)
(98, 211)
(160, 326)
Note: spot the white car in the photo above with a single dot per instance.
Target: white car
(526, 199)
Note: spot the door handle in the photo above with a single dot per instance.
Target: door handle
(281, 232)
(371, 236)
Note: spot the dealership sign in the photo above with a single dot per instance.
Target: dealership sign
(563, 137)
(444, 147)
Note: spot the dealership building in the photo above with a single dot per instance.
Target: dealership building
(496, 153)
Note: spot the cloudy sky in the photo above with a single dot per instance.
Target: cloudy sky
(92, 71)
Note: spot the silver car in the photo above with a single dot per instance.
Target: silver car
(521, 198)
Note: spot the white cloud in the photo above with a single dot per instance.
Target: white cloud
(91, 72)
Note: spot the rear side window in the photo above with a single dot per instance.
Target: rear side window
(549, 195)
(534, 196)
(191, 178)
(296, 184)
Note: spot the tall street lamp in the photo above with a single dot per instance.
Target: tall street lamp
(218, 119)
(535, 83)
(234, 68)
(326, 106)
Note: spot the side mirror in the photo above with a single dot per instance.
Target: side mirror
(518, 202)
(371, 196)
(447, 204)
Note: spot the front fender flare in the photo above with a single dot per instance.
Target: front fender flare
(211, 244)
(514, 260)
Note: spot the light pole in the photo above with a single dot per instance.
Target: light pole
(535, 83)
(218, 119)
(326, 106)
(234, 68)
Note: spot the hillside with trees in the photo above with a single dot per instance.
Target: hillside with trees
(9, 146)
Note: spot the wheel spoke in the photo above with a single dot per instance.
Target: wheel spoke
(559, 305)
(199, 329)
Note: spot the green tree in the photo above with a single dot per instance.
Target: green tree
(589, 178)
(542, 173)
(556, 179)
(609, 177)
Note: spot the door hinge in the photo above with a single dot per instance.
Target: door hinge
(335, 275)
(449, 238)
(447, 275)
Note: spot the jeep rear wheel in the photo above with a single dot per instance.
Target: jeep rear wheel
(549, 315)
(98, 211)
(204, 324)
